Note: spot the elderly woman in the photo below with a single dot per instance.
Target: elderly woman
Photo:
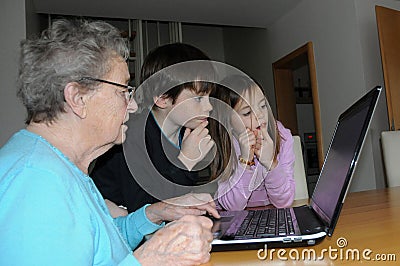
(73, 83)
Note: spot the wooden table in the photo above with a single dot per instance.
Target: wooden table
(369, 223)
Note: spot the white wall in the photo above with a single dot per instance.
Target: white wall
(248, 50)
(347, 62)
(207, 38)
(12, 30)
(373, 69)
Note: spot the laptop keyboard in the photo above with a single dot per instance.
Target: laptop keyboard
(266, 223)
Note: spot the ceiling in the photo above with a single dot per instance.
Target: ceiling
(248, 13)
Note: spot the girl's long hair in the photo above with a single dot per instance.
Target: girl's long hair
(225, 161)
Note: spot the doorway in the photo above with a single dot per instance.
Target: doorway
(297, 105)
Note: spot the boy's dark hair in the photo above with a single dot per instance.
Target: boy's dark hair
(167, 55)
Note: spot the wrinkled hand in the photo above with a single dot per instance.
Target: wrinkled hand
(195, 145)
(186, 241)
(115, 210)
(265, 148)
(175, 208)
(247, 142)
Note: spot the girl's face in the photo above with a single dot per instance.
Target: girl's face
(250, 112)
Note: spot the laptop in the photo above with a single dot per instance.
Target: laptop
(308, 224)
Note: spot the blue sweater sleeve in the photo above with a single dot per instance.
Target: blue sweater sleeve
(135, 226)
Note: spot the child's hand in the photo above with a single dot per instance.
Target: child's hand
(265, 148)
(247, 142)
(195, 145)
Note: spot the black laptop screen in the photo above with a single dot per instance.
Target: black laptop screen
(342, 156)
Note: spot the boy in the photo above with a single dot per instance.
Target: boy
(172, 125)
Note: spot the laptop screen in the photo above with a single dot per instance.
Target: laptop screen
(342, 156)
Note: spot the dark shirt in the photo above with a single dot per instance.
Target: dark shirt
(111, 172)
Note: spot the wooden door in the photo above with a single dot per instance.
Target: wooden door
(285, 99)
(285, 95)
(388, 21)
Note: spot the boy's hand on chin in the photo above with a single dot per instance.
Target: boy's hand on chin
(196, 144)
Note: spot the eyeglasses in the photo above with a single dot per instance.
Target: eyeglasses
(130, 91)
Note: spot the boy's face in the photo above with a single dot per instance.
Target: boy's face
(190, 109)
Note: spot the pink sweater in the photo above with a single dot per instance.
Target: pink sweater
(258, 187)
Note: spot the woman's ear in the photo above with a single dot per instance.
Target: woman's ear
(75, 99)
(162, 101)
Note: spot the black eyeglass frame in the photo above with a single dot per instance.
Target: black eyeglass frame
(131, 90)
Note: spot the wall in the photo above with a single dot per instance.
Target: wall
(369, 42)
(207, 38)
(347, 61)
(12, 30)
(248, 50)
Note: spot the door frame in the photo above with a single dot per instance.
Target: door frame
(388, 23)
(285, 94)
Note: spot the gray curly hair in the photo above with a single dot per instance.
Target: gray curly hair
(67, 51)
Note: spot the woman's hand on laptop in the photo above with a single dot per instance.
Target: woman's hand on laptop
(186, 241)
(175, 208)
